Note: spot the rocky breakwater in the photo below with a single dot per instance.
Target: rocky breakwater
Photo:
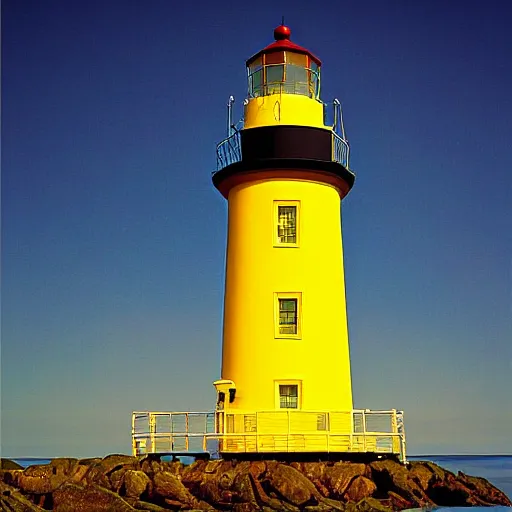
(120, 483)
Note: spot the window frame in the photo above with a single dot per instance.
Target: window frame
(278, 296)
(278, 384)
(277, 242)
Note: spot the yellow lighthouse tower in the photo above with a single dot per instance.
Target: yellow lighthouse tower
(285, 341)
(285, 382)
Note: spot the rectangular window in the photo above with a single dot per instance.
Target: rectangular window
(288, 315)
(286, 230)
(288, 396)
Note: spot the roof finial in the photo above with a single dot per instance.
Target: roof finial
(282, 32)
(282, 20)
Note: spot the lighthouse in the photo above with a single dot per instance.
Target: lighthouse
(285, 381)
(285, 340)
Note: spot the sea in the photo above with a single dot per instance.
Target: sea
(495, 468)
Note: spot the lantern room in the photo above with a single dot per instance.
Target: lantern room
(283, 85)
(283, 67)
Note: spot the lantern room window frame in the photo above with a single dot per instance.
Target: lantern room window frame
(276, 72)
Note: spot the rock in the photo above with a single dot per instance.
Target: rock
(171, 488)
(389, 475)
(144, 505)
(396, 502)
(216, 483)
(332, 504)
(90, 498)
(9, 464)
(322, 507)
(150, 465)
(135, 483)
(242, 486)
(370, 505)
(291, 484)
(484, 490)
(11, 500)
(175, 467)
(360, 487)
(10, 476)
(40, 479)
(246, 507)
(100, 471)
(193, 475)
(314, 471)
(338, 477)
(451, 493)
(423, 475)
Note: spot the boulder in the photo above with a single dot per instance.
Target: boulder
(242, 488)
(100, 471)
(368, 505)
(144, 505)
(40, 479)
(9, 464)
(215, 486)
(169, 487)
(423, 475)
(10, 476)
(193, 475)
(135, 483)
(315, 472)
(11, 500)
(91, 498)
(397, 502)
(338, 477)
(484, 490)
(359, 488)
(390, 475)
(290, 484)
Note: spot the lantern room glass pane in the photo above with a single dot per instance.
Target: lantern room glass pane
(274, 58)
(314, 84)
(296, 80)
(274, 78)
(297, 59)
(256, 83)
(255, 64)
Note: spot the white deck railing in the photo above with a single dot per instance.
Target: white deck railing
(281, 431)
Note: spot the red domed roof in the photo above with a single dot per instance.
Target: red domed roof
(282, 42)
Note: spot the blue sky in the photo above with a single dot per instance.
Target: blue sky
(113, 236)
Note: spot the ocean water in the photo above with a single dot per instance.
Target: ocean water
(495, 468)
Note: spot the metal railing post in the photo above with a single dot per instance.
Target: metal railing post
(230, 115)
(152, 431)
(134, 441)
(257, 437)
(364, 431)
